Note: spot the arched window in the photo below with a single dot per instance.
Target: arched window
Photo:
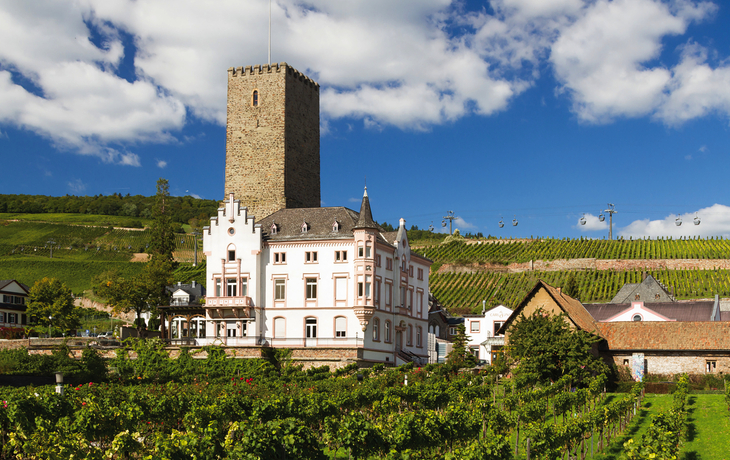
(387, 331)
(255, 98)
(231, 253)
(376, 329)
(419, 338)
(410, 335)
(636, 317)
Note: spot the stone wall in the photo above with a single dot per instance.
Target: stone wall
(678, 362)
(272, 148)
(590, 264)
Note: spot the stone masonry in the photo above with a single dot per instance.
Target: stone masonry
(272, 139)
(590, 264)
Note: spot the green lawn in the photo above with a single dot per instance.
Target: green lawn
(708, 428)
(707, 436)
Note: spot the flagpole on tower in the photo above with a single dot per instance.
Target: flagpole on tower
(269, 32)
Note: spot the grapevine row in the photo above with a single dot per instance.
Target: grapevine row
(506, 251)
(464, 292)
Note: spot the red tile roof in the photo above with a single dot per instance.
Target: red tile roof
(670, 335)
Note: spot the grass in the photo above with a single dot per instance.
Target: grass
(77, 219)
(707, 435)
(708, 428)
(76, 274)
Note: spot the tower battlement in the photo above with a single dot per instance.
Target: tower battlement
(267, 69)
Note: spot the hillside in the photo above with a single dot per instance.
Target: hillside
(76, 252)
(463, 274)
(503, 271)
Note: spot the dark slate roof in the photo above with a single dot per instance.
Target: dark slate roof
(666, 335)
(319, 220)
(649, 290)
(4, 283)
(365, 220)
(696, 310)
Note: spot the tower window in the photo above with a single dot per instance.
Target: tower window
(255, 98)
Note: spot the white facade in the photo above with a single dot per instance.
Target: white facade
(638, 312)
(315, 277)
(13, 300)
(482, 331)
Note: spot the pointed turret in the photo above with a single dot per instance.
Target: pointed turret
(366, 216)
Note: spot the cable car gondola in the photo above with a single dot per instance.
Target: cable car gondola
(697, 220)
(678, 221)
(583, 219)
(514, 222)
(501, 223)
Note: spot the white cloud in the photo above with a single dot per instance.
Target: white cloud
(714, 221)
(605, 62)
(387, 63)
(592, 223)
(77, 186)
(161, 164)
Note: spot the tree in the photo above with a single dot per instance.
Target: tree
(49, 297)
(543, 348)
(162, 244)
(460, 354)
(145, 292)
(124, 295)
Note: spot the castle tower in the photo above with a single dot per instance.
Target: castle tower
(272, 139)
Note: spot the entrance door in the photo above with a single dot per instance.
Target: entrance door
(311, 332)
(398, 340)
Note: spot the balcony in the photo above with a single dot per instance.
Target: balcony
(228, 302)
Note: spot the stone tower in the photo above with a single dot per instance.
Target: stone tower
(272, 139)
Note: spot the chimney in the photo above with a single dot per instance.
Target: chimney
(193, 283)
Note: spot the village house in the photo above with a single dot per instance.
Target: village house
(662, 345)
(13, 300)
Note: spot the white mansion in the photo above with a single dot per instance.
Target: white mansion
(314, 278)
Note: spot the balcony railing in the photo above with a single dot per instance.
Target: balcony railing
(242, 301)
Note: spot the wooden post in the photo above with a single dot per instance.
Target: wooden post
(528, 448)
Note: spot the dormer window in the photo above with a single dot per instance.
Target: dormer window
(274, 229)
(255, 98)
(305, 227)
(336, 226)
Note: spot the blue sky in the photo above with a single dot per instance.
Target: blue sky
(539, 110)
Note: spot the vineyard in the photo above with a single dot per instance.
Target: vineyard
(464, 292)
(77, 242)
(216, 407)
(506, 251)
